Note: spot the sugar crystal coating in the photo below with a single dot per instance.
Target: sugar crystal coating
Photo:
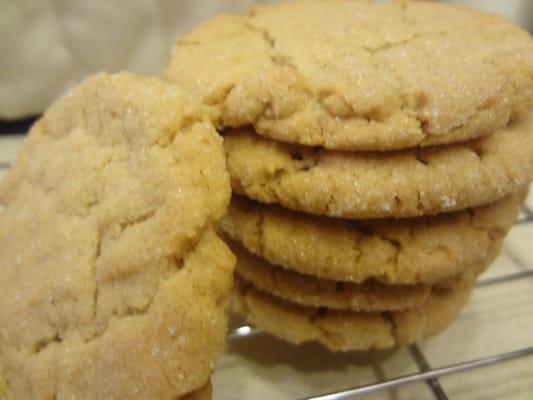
(352, 75)
(107, 254)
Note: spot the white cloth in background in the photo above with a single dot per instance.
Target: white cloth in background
(48, 45)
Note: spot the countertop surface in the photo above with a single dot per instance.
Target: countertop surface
(497, 320)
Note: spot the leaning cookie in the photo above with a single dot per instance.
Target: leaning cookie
(404, 251)
(113, 283)
(349, 75)
(348, 330)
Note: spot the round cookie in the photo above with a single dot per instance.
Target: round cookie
(113, 283)
(379, 185)
(347, 330)
(404, 251)
(308, 290)
(349, 75)
(311, 291)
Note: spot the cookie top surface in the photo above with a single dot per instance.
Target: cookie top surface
(405, 183)
(350, 75)
(113, 282)
(404, 251)
(347, 330)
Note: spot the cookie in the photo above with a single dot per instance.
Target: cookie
(113, 283)
(349, 75)
(347, 330)
(371, 295)
(311, 291)
(380, 185)
(403, 251)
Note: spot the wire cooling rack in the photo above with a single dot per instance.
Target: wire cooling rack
(426, 373)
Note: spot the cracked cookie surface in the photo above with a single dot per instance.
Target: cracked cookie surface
(113, 283)
(405, 183)
(405, 251)
(347, 330)
(355, 76)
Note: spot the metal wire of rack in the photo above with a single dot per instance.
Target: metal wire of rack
(426, 373)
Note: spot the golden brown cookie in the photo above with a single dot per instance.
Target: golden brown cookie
(311, 291)
(351, 75)
(113, 283)
(404, 251)
(348, 330)
(406, 183)
(370, 295)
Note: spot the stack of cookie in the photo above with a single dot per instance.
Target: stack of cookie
(379, 155)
